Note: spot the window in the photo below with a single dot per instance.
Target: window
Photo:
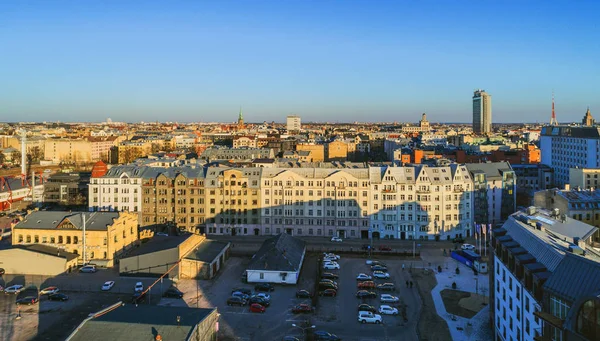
(262, 275)
(75, 240)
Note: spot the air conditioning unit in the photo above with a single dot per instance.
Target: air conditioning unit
(531, 210)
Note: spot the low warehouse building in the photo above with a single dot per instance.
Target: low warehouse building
(188, 255)
(37, 260)
(149, 322)
(278, 260)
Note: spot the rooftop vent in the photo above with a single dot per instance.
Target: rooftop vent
(574, 249)
(531, 210)
(556, 213)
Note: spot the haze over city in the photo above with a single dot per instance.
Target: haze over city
(339, 61)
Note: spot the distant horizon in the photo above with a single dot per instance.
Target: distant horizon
(327, 61)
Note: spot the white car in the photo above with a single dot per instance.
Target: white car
(13, 289)
(139, 287)
(108, 285)
(331, 266)
(468, 247)
(336, 239)
(387, 298)
(88, 268)
(368, 317)
(49, 291)
(162, 234)
(387, 310)
(381, 274)
(369, 262)
(263, 295)
(363, 277)
(331, 256)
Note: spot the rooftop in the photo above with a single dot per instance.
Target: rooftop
(207, 251)
(48, 220)
(48, 250)
(159, 243)
(279, 253)
(143, 322)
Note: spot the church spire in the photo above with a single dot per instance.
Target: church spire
(241, 116)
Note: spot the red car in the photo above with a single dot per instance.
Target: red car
(302, 309)
(366, 285)
(257, 308)
(385, 248)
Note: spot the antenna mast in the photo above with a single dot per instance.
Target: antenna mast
(553, 121)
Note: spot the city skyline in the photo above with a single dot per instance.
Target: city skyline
(190, 63)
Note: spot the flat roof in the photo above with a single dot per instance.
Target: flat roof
(142, 322)
(158, 243)
(207, 251)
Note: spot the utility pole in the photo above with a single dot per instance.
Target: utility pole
(83, 239)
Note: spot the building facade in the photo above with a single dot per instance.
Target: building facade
(584, 178)
(293, 123)
(482, 112)
(67, 188)
(495, 191)
(118, 190)
(566, 147)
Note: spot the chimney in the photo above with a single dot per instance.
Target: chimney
(178, 321)
(567, 187)
(158, 337)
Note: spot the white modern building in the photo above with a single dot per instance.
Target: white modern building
(543, 269)
(566, 147)
(482, 112)
(294, 123)
(118, 190)
(279, 260)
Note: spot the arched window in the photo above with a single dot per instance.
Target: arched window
(588, 319)
(36, 239)
(28, 239)
(60, 239)
(52, 240)
(68, 239)
(75, 239)
(104, 254)
(20, 238)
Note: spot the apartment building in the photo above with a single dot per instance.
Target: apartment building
(101, 146)
(421, 202)
(67, 188)
(315, 201)
(566, 147)
(530, 179)
(545, 277)
(77, 150)
(494, 193)
(584, 178)
(117, 190)
(317, 150)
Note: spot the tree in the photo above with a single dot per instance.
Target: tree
(16, 157)
(2, 158)
(36, 153)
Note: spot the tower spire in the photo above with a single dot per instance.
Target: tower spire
(553, 121)
(241, 116)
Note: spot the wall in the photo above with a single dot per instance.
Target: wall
(155, 263)
(207, 329)
(317, 151)
(22, 262)
(271, 277)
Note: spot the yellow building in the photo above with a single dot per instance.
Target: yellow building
(107, 234)
(337, 151)
(317, 151)
(68, 150)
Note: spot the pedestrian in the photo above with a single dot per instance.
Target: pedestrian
(411, 284)
(402, 266)
(407, 284)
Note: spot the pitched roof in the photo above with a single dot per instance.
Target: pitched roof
(97, 221)
(492, 170)
(207, 251)
(572, 266)
(279, 253)
(143, 322)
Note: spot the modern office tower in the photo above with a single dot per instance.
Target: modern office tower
(482, 112)
(545, 274)
(294, 123)
(566, 147)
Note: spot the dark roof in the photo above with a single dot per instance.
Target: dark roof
(48, 250)
(207, 251)
(572, 266)
(280, 253)
(492, 170)
(159, 243)
(49, 220)
(143, 322)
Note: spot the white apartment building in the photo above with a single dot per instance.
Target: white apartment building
(421, 202)
(315, 202)
(118, 190)
(566, 147)
(294, 123)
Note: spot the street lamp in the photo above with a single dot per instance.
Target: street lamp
(304, 329)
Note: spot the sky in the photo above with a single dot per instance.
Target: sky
(327, 61)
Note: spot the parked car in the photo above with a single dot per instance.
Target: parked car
(369, 317)
(331, 266)
(323, 286)
(257, 308)
(363, 277)
(336, 239)
(388, 310)
(138, 297)
(387, 298)
(321, 335)
(467, 247)
(324, 280)
(329, 275)
(302, 309)
(139, 286)
(29, 300)
(13, 289)
(58, 297)
(241, 295)
(88, 269)
(365, 294)
(259, 300)
(290, 338)
(331, 255)
(173, 292)
(108, 285)
(366, 285)
(378, 262)
(264, 287)
(386, 287)
(246, 291)
(378, 268)
(366, 307)
(381, 275)
(303, 294)
(49, 291)
(328, 293)
(2, 272)
(162, 234)
(263, 295)
(235, 300)
(385, 248)
(458, 240)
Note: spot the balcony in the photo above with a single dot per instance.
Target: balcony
(547, 317)
(388, 190)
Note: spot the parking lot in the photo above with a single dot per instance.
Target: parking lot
(338, 315)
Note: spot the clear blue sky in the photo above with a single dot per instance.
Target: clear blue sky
(324, 60)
